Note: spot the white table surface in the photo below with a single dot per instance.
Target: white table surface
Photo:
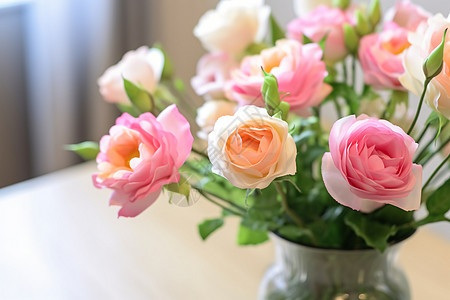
(60, 240)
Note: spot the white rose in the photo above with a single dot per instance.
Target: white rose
(209, 112)
(251, 148)
(142, 66)
(423, 41)
(233, 25)
(302, 7)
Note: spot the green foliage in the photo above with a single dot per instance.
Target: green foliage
(207, 227)
(87, 150)
(139, 97)
(248, 236)
(374, 233)
(438, 204)
(276, 33)
(168, 69)
(182, 187)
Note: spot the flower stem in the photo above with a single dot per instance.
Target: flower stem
(427, 158)
(234, 205)
(435, 172)
(344, 66)
(338, 108)
(206, 196)
(422, 134)
(353, 72)
(425, 86)
(286, 206)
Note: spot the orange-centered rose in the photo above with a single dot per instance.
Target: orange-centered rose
(251, 148)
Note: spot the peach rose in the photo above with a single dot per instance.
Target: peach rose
(319, 22)
(370, 165)
(209, 112)
(251, 148)
(233, 25)
(213, 70)
(423, 42)
(298, 69)
(142, 66)
(140, 155)
(381, 56)
(407, 15)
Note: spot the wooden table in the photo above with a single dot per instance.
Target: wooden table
(60, 240)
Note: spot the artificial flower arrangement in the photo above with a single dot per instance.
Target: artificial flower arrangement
(272, 158)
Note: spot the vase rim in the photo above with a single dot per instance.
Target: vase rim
(274, 236)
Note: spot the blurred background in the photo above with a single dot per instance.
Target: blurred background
(53, 51)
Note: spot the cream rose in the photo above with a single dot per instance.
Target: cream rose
(143, 66)
(209, 112)
(302, 7)
(233, 25)
(423, 41)
(251, 148)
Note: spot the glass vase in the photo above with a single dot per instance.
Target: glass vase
(306, 273)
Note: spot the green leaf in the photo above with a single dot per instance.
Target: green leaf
(182, 187)
(168, 68)
(389, 214)
(276, 33)
(438, 204)
(207, 227)
(138, 96)
(247, 236)
(307, 40)
(87, 150)
(293, 233)
(375, 234)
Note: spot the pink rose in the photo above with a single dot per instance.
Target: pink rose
(298, 69)
(142, 66)
(140, 155)
(423, 42)
(407, 15)
(370, 165)
(319, 22)
(381, 57)
(213, 70)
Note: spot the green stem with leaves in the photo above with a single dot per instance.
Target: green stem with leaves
(422, 134)
(228, 209)
(439, 149)
(353, 72)
(286, 207)
(435, 172)
(425, 86)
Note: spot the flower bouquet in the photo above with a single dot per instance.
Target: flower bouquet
(306, 133)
